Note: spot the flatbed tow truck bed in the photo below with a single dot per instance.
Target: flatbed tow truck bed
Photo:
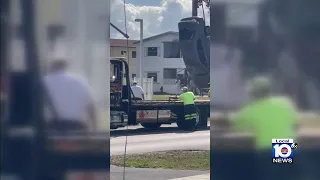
(152, 104)
(160, 111)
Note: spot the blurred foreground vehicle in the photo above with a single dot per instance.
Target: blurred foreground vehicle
(29, 150)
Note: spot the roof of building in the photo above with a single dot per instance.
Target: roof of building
(158, 35)
(121, 43)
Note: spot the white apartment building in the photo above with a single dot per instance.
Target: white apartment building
(162, 60)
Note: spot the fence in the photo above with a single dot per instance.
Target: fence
(147, 86)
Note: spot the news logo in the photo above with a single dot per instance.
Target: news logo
(283, 150)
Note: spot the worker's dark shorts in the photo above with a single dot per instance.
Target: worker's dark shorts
(66, 125)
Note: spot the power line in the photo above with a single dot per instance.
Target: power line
(126, 141)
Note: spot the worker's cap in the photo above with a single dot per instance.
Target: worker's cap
(134, 82)
(185, 88)
(259, 84)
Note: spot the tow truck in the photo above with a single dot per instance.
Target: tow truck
(150, 114)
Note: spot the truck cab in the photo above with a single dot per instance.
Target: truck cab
(120, 94)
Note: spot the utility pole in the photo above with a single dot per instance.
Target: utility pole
(141, 48)
(194, 7)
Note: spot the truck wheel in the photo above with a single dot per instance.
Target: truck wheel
(113, 127)
(198, 119)
(203, 118)
(151, 125)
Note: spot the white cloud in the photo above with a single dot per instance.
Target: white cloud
(157, 19)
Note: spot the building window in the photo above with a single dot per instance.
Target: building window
(171, 49)
(169, 73)
(153, 75)
(123, 52)
(152, 51)
(134, 54)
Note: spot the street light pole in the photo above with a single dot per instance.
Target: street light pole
(141, 48)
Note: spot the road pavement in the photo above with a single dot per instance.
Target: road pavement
(197, 177)
(156, 174)
(168, 137)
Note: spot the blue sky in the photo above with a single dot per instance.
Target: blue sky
(158, 16)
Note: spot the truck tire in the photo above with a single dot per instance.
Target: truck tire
(151, 125)
(198, 119)
(113, 127)
(203, 118)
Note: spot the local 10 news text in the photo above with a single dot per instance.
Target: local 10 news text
(283, 151)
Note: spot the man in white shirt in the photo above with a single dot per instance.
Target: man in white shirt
(71, 97)
(137, 91)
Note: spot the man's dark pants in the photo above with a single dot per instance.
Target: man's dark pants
(189, 121)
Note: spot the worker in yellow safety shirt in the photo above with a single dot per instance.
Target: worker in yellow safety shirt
(267, 117)
(190, 111)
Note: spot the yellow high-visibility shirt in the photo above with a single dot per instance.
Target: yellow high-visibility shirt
(187, 98)
(267, 119)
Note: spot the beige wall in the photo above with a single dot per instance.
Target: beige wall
(116, 52)
(47, 12)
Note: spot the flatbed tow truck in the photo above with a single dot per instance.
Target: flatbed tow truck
(150, 114)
